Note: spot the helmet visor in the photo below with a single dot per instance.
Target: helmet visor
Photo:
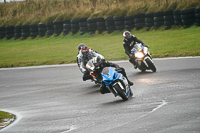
(84, 52)
(127, 36)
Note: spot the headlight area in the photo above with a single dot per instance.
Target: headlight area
(139, 55)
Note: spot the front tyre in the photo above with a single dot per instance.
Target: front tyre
(150, 64)
(120, 92)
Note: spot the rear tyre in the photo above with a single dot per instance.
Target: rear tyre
(151, 65)
(121, 93)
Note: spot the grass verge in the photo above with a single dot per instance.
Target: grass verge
(5, 119)
(6, 115)
(63, 49)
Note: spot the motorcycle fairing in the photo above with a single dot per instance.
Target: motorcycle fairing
(110, 76)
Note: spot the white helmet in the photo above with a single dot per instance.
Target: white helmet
(80, 46)
(96, 61)
(127, 35)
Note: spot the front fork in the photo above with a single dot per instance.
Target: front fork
(132, 59)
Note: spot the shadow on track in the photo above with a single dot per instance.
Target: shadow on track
(117, 101)
(146, 72)
(94, 88)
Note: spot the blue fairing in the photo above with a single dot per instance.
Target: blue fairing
(111, 76)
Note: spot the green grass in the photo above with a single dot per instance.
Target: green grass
(4, 115)
(63, 49)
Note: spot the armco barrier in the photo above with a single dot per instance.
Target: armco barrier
(184, 18)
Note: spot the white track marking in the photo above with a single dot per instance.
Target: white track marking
(159, 106)
(17, 119)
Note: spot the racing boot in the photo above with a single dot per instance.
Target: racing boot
(132, 61)
(129, 82)
(135, 64)
(86, 77)
(122, 71)
(104, 89)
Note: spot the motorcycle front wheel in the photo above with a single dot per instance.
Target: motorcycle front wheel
(151, 65)
(121, 93)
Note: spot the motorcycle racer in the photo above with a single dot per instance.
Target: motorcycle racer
(128, 43)
(86, 54)
(78, 57)
(97, 64)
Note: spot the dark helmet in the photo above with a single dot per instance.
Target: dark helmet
(127, 35)
(96, 61)
(85, 50)
(80, 46)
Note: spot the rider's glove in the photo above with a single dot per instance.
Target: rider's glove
(145, 45)
(102, 60)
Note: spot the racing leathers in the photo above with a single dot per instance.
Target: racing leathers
(128, 44)
(96, 70)
(83, 61)
(79, 56)
(78, 59)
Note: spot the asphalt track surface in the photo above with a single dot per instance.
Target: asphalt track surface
(54, 99)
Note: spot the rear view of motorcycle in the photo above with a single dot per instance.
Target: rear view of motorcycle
(116, 83)
(143, 58)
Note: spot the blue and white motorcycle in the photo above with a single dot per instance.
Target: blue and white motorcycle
(116, 83)
(143, 58)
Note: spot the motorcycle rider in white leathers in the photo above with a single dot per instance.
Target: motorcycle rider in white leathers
(78, 57)
(85, 55)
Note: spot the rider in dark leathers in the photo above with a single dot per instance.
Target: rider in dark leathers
(128, 44)
(99, 64)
